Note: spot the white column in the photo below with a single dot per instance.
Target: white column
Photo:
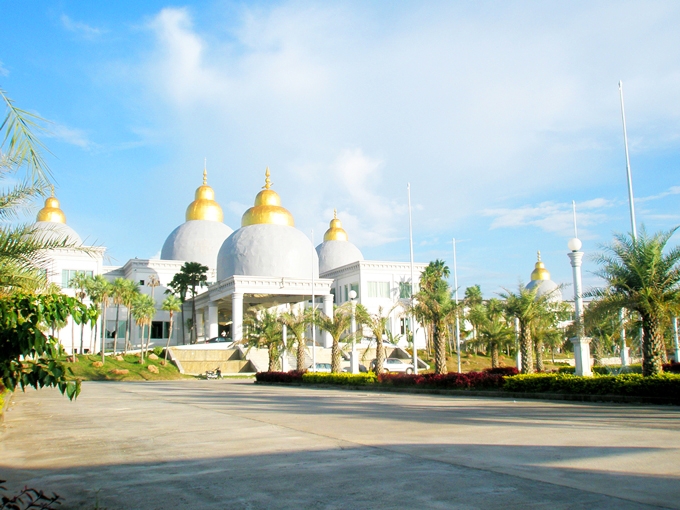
(326, 338)
(237, 317)
(213, 326)
(354, 359)
(284, 356)
(581, 343)
(518, 348)
(625, 356)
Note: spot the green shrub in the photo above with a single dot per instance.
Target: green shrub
(343, 378)
(663, 385)
(158, 350)
(606, 370)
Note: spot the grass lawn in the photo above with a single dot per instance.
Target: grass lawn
(84, 369)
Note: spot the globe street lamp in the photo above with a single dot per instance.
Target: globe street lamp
(580, 342)
(353, 329)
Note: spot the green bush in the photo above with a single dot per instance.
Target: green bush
(158, 350)
(606, 370)
(343, 378)
(663, 385)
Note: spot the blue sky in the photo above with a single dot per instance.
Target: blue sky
(499, 114)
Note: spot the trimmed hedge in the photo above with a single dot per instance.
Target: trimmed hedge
(279, 377)
(663, 385)
(605, 370)
(342, 378)
(452, 381)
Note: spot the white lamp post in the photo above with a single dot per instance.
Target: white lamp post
(354, 362)
(625, 358)
(580, 342)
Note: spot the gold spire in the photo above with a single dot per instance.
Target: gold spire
(267, 208)
(51, 211)
(204, 206)
(540, 272)
(335, 232)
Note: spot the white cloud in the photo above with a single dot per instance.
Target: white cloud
(3, 70)
(71, 136)
(673, 190)
(473, 110)
(552, 217)
(83, 29)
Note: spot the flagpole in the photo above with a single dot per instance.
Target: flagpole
(455, 285)
(631, 202)
(313, 310)
(412, 321)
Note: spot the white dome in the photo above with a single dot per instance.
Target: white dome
(334, 254)
(546, 288)
(267, 250)
(196, 241)
(53, 231)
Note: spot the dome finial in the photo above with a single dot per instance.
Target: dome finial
(335, 231)
(267, 208)
(267, 180)
(52, 211)
(540, 272)
(204, 206)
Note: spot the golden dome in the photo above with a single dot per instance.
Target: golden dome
(204, 206)
(540, 272)
(267, 208)
(51, 211)
(335, 232)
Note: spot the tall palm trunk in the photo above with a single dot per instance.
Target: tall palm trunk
(494, 355)
(115, 331)
(167, 345)
(300, 352)
(184, 339)
(103, 331)
(379, 354)
(335, 356)
(194, 330)
(272, 359)
(652, 344)
(526, 348)
(439, 350)
(540, 367)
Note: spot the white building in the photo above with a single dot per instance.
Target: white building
(266, 262)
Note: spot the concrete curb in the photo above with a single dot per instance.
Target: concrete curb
(616, 399)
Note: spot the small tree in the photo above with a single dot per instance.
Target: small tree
(143, 310)
(263, 331)
(194, 276)
(179, 286)
(336, 327)
(100, 290)
(297, 325)
(171, 304)
(494, 331)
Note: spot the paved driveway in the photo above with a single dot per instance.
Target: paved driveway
(222, 444)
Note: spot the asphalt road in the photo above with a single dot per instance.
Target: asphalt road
(234, 444)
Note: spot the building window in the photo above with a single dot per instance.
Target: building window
(141, 282)
(68, 274)
(355, 288)
(111, 327)
(160, 329)
(405, 325)
(379, 289)
(404, 290)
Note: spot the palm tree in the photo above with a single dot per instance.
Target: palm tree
(100, 290)
(434, 306)
(494, 331)
(143, 310)
(179, 286)
(195, 275)
(130, 293)
(264, 331)
(336, 327)
(527, 307)
(171, 304)
(297, 325)
(377, 323)
(80, 282)
(642, 278)
(117, 295)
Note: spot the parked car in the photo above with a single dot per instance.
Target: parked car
(395, 365)
(362, 369)
(218, 339)
(322, 367)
